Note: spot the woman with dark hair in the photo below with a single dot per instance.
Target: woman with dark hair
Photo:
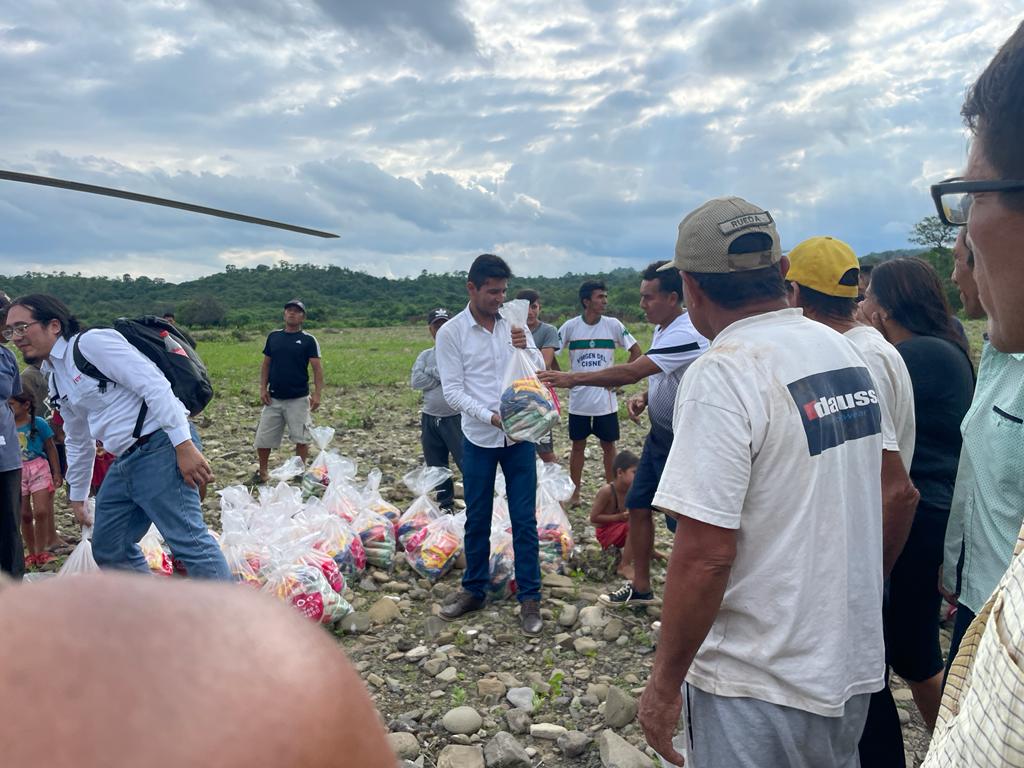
(12, 555)
(905, 302)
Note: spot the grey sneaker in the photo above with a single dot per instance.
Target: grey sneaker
(627, 596)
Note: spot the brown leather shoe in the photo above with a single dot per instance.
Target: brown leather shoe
(529, 617)
(465, 602)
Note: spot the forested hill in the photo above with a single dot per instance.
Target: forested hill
(333, 296)
(253, 297)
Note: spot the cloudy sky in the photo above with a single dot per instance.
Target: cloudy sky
(565, 136)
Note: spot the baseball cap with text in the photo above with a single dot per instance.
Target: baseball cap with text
(708, 233)
(826, 265)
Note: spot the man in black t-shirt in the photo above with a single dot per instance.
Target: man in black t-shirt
(284, 387)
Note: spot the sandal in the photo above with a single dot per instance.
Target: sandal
(43, 558)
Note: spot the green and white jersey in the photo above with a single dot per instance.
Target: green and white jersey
(591, 348)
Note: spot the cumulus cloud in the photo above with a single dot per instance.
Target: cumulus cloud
(567, 138)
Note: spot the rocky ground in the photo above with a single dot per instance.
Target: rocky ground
(477, 692)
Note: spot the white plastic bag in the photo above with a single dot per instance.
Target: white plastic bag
(421, 481)
(433, 551)
(289, 470)
(80, 561)
(527, 409)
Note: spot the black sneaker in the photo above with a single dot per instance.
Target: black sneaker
(626, 596)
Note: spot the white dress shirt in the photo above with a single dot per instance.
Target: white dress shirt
(90, 415)
(472, 361)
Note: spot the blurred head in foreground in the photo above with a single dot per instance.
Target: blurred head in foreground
(173, 674)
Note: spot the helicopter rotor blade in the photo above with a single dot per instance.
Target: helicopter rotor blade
(78, 186)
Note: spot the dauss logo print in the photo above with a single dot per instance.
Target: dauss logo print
(836, 406)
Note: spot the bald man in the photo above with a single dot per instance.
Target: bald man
(174, 674)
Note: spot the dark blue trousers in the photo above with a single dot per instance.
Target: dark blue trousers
(519, 464)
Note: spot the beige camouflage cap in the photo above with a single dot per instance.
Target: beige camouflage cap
(706, 236)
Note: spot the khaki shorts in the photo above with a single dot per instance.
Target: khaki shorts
(294, 413)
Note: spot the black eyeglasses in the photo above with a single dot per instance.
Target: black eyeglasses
(953, 197)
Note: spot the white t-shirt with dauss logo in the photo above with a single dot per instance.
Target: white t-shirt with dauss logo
(787, 420)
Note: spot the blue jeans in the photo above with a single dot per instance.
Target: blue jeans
(479, 465)
(146, 487)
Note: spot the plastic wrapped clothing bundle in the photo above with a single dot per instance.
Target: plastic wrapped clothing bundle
(527, 408)
(433, 550)
(305, 587)
(378, 536)
(421, 481)
(371, 498)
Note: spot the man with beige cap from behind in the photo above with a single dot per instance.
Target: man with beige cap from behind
(773, 606)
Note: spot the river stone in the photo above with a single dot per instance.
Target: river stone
(568, 615)
(557, 580)
(592, 616)
(384, 611)
(434, 666)
(456, 756)
(356, 623)
(404, 745)
(549, 731)
(490, 690)
(613, 630)
(598, 690)
(573, 743)
(518, 720)
(616, 752)
(462, 720)
(447, 675)
(417, 653)
(503, 751)
(521, 698)
(434, 626)
(584, 645)
(619, 708)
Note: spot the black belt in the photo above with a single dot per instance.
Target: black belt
(137, 444)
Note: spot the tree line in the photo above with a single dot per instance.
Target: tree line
(252, 297)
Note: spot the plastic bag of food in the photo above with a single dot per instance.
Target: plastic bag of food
(80, 561)
(502, 565)
(305, 588)
(421, 481)
(236, 508)
(245, 558)
(372, 499)
(158, 559)
(343, 500)
(289, 470)
(317, 477)
(340, 541)
(527, 408)
(555, 534)
(433, 550)
(378, 536)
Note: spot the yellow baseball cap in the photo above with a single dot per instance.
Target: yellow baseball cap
(826, 265)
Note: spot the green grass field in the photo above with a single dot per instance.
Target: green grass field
(372, 357)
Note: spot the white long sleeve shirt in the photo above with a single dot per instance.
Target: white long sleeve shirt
(472, 361)
(90, 415)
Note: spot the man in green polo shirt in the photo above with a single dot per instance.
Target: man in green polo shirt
(988, 501)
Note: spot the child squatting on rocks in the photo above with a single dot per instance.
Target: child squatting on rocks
(611, 518)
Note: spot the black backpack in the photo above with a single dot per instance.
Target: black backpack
(171, 349)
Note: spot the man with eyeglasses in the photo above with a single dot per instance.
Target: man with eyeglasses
(983, 708)
(138, 419)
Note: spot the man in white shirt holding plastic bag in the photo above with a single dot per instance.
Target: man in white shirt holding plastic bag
(473, 350)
